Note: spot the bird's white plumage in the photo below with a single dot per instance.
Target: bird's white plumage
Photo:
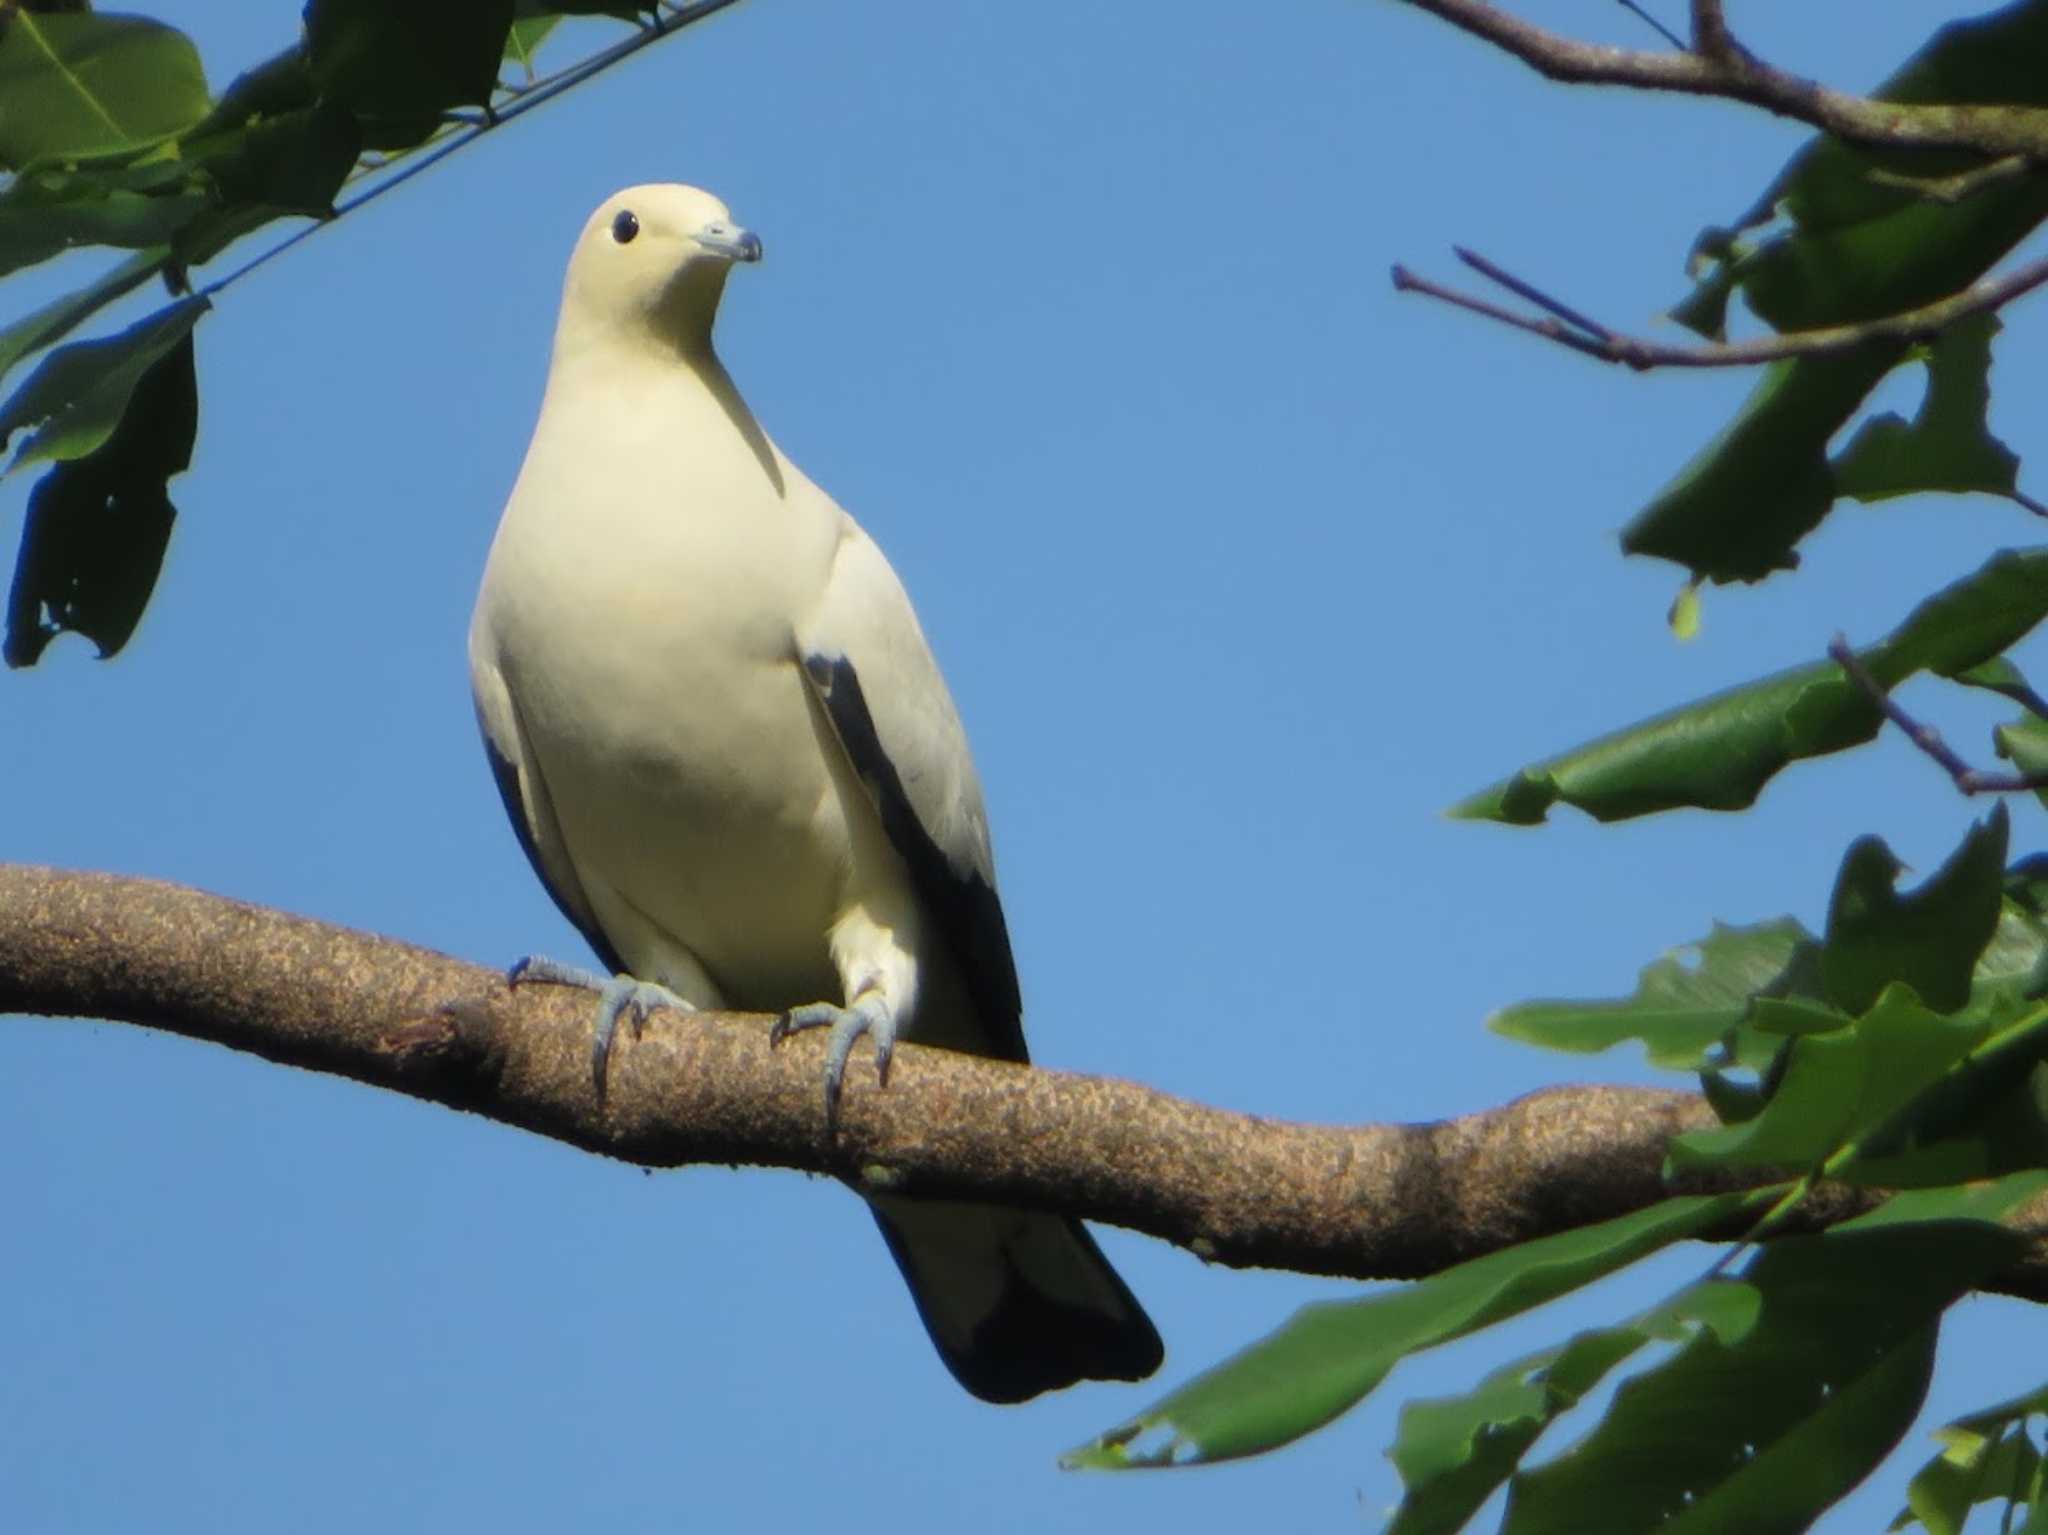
(729, 750)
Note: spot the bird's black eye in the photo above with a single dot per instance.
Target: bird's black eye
(625, 226)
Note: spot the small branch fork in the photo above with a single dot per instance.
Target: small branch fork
(1717, 65)
(1968, 779)
(2013, 140)
(1568, 327)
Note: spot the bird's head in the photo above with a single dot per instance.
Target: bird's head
(652, 261)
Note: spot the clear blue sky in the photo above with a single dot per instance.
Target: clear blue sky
(1241, 567)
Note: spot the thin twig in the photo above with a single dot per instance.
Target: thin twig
(1533, 294)
(1953, 189)
(539, 94)
(1738, 75)
(1654, 24)
(1968, 779)
(1582, 334)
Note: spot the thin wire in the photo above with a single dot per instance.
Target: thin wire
(653, 30)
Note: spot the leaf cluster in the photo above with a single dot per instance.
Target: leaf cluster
(1902, 1052)
(110, 137)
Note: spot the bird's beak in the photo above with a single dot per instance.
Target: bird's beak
(730, 241)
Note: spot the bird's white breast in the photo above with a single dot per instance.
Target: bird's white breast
(639, 603)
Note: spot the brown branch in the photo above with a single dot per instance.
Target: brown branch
(1737, 75)
(1710, 35)
(1567, 327)
(1368, 1201)
(1968, 779)
(1954, 189)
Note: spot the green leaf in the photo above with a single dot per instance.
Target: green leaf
(79, 84)
(79, 393)
(290, 164)
(1761, 1430)
(1835, 1086)
(1853, 249)
(1686, 1002)
(2024, 743)
(1718, 753)
(1971, 1469)
(56, 320)
(1332, 1354)
(1948, 446)
(1929, 939)
(1453, 1453)
(97, 526)
(1735, 510)
(47, 213)
(1998, 675)
(398, 66)
(1982, 1117)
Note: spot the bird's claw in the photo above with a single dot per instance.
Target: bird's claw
(869, 1015)
(617, 995)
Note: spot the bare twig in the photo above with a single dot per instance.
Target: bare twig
(1954, 189)
(1533, 294)
(1968, 779)
(1387, 1201)
(1582, 334)
(1654, 24)
(1739, 76)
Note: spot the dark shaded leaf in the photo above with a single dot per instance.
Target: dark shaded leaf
(398, 66)
(97, 526)
(81, 84)
(79, 393)
(1762, 1430)
(1948, 446)
(280, 84)
(1718, 753)
(1333, 1353)
(291, 164)
(1854, 249)
(1454, 1453)
(1763, 483)
(1929, 939)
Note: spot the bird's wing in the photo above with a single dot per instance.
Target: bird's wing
(529, 806)
(874, 677)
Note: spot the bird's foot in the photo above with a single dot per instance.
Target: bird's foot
(616, 995)
(870, 1014)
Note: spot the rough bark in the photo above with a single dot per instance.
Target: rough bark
(1367, 1201)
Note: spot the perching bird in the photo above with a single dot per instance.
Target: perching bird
(726, 748)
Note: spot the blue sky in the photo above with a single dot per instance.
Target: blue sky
(1241, 567)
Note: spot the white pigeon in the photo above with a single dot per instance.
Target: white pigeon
(726, 748)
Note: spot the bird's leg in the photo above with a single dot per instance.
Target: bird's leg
(616, 995)
(870, 1013)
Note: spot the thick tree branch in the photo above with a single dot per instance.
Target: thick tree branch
(1369, 1201)
(1718, 66)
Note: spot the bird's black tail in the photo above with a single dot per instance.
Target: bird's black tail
(1017, 1303)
